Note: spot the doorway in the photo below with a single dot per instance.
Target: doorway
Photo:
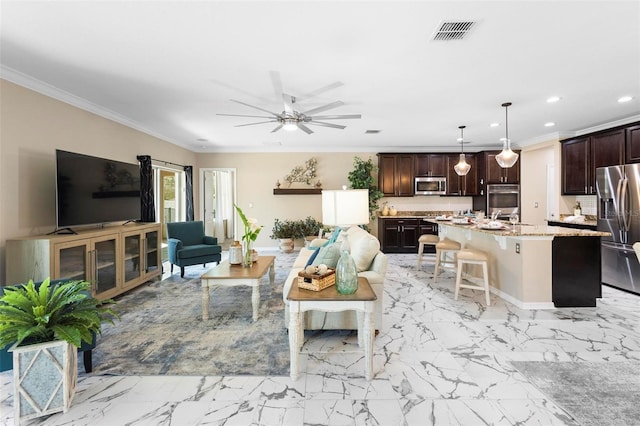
(169, 190)
(216, 206)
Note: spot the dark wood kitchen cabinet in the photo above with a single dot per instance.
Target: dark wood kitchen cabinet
(633, 144)
(583, 155)
(399, 235)
(430, 164)
(491, 172)
(462, 185)
(396, 174)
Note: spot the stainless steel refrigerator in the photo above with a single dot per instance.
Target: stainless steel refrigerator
(619, 213)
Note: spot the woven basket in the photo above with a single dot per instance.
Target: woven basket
(316, 282)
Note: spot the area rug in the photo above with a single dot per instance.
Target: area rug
(161, 331)
(594, 393)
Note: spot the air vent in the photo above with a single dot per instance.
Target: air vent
(453, 30)
(371, 132)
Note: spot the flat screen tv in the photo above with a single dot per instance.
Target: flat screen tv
(92, 190)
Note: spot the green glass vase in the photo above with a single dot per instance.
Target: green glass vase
(346, 274)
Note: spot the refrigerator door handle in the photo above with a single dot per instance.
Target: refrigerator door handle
(617, 207)
(623, 208)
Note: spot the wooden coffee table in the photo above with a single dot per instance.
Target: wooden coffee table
(329, 300)
(228, 275)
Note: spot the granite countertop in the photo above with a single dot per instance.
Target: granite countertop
(588, 220)
(523, 230)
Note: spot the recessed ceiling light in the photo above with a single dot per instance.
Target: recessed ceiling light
(553, 99)
(549, 124)
(494, 124)
(625, 99)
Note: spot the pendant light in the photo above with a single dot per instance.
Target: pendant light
(462, 168)
(506, 158)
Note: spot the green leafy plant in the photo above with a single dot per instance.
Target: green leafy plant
(307, 227)
(283, 229)
(361, 177)
(251, 228)
(61, 311)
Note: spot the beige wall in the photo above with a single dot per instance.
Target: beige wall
(535, 161)
(32, 127)
(257, 174)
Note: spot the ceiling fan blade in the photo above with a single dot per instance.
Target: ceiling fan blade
(253, 106)
(277, 83)
(242, 115)
(336, 117)
(305, 128)
(324, 107)
(288, 103)
(321, 90)
(277, 128)
(320, 123)
(253, 124)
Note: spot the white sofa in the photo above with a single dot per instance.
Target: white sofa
(371, 263)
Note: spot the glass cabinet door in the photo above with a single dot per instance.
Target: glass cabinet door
(151, 251)
(72, 261)
(104, 261)
(132, 250)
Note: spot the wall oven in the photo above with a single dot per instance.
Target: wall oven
(505, 198)
(430, 185)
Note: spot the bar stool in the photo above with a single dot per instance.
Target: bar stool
(473, 257)
(428, 239)
(444, 247)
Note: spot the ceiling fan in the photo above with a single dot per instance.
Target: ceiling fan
(292, 119)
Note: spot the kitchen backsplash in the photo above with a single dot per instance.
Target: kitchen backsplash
(589, 204)
(448, 204)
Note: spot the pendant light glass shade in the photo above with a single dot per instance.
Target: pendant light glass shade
(462, 168)
(507, 158)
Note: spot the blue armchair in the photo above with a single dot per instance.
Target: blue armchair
(189, 246)
(6, 357)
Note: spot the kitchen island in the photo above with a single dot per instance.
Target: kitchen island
(536, 267)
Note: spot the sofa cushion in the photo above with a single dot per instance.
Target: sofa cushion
(328, 255)
(363, 247)
(198, 250)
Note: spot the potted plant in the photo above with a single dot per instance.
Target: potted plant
(285, 232)
(361, 177)
(308, 229)
(46, 324)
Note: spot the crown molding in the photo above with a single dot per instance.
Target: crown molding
(46, 89)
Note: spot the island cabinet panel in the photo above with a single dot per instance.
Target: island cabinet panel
(399, 235)
(582, 156)
(576, 271)
(396, 174)
(462, 185)
(430, 164)
(633, 144)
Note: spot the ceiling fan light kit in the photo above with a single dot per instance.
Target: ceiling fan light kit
(507, 158)
(462, 168)
(290, 119)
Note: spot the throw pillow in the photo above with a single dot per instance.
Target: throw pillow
(363, 247)
(312, 257)
(328, 255)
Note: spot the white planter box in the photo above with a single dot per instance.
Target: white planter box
(44, 378)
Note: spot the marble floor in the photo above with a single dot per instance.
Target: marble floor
(437, 362)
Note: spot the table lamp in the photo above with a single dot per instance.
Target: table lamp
(343, 208)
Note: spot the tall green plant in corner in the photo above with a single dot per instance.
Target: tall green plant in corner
(361, 177)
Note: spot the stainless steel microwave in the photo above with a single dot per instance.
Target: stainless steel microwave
(430, 185)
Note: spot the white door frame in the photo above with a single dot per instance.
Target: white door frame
(202, 185)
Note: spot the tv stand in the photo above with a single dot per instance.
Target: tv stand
(114, 259)
(63, 231)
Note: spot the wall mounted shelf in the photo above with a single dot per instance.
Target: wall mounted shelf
(298, 191)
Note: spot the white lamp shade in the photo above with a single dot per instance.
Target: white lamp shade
(345, 207)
